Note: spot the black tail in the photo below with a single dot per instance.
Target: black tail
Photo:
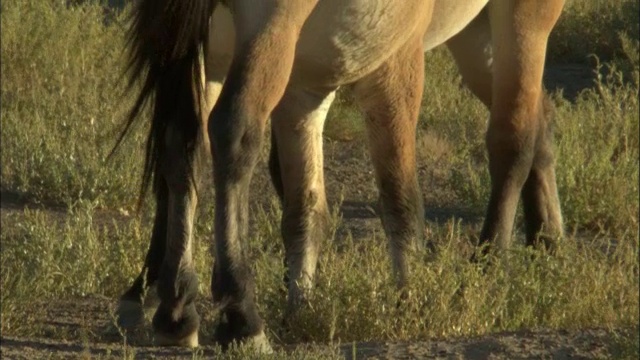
(164, 40)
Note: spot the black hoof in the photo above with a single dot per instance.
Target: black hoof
(129, 315)
(179, 332)
(234, 333)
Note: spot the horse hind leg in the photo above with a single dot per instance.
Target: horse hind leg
(296, 163)
(519, 137)
(180, 169)
(141, 297)
(176, 321)
(391, 98)
(472, 51)
(167, 282)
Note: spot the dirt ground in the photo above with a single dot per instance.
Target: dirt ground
(82, 328)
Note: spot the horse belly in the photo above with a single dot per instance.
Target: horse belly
(344, 40)
(449, 18)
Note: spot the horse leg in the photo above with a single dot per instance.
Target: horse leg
(259, 72)
(276, 181)
(543, 218)
(141, 295)
(176, 321)
(391, 99)
(297, 124)
(274, 168)
(168, 264)
(472, 51)
(518, 137)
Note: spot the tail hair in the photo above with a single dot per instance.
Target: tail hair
(164, 40)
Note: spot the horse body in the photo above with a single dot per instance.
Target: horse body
(284, 60)
(343, 40)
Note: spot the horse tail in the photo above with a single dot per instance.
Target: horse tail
(164, 40)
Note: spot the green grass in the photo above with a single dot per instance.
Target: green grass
(589, 27)
(62, 107)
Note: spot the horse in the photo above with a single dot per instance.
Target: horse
(215, 72)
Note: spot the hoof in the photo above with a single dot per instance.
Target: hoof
(257, 343)
(130, 315)
(189, 341)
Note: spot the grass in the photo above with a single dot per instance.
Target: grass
(62, 106)
(605, 23)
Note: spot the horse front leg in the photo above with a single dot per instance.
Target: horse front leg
(391, 97)
(472, 51)
(518, 137)
(541, 204)
(257, 78)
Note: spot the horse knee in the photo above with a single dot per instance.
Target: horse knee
(521, 137)
(234, 152)
(511, 141)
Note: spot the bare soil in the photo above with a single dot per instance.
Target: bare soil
(82, 328)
